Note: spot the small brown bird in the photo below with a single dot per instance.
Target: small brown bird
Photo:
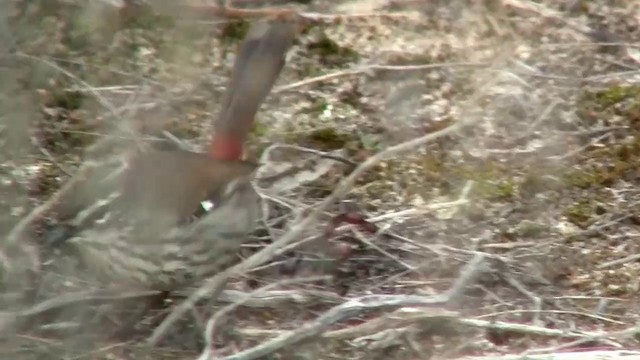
(144, 232)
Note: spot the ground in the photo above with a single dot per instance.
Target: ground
(549, 95)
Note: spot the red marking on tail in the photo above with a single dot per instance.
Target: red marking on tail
(226, 148)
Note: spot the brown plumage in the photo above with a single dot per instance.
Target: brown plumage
(147, 234)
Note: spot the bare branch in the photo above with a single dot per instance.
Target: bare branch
(300, 224)
(358, 305)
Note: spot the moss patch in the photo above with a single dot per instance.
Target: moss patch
(68, 100)
(617, 105)
(583, 212)
(614, 95)
(493, 180)
(528, 229)
(234, 31)
(330, 53)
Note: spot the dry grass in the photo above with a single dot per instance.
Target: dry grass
(502, 136)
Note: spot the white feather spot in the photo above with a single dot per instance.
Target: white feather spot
(207, 205)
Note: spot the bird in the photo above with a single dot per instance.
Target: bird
(175, 216)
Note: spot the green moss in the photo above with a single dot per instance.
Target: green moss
(615, 94)
(621, 101)
(432, 167)
(330, 53)
(234, 31)
(497, 189)
(378, 188)
(582, 6)
(581, 179)
(328, 138)
(77, 37)
(528, 229)
(492, 179)
(581, 213)
(259, 129)
(538, 181)
(309, 70)
(369, 142)
(505, 189)
(612, 163)
(69, 100)
(317, 107)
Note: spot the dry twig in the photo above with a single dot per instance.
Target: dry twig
(300, 224)
(358, 305)
(212, 323)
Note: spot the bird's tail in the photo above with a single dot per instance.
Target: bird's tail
(258, 64)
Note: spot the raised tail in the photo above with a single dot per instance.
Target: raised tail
(260, 59)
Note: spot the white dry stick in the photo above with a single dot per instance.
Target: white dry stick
(409, 317)
(357, 306)
(213, 321)
(300, 224)
(453, 207)
(363, 239)
(279, 298)
(373, 68)
(406, 318)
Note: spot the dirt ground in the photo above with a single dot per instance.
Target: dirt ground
(542, 178)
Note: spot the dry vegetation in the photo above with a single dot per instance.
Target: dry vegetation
(534, 186)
